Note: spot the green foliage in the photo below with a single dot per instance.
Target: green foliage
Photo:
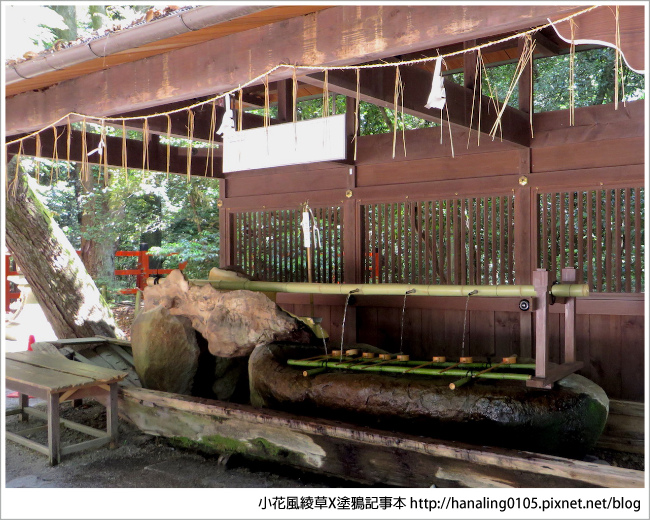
(594, 81)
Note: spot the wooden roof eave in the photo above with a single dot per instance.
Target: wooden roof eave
(208, 68)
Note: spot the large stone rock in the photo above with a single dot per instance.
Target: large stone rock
(233, 323)
(564, 421)
(165, 350)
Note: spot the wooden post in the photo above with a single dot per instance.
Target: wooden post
(24, 403)
(524, 253)
(111, 415)
(469, 65)
(570, 275)
(53, 429)
(224, 227)
(542, 284)
(285, 100)
(526, 84)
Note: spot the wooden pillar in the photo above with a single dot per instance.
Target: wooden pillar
(570, 275)
(469, 64)
(224, 227)
(112, 426)
(525, 230)
(285, 100)
(526, 85)
(53, 429)
(542, 284)
(351, 230)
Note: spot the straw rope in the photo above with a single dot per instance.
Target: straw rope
(260, 77)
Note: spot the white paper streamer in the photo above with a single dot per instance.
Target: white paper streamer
(437, 96)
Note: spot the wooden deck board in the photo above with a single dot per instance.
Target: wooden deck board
(43, 378)
(65, 366)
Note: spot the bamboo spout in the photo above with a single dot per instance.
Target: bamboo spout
(396, 289)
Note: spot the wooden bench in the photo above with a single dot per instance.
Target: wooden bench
(55, 379)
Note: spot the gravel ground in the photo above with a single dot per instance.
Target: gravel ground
(139, 461)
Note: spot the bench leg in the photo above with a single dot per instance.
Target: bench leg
(24, 403)
(111, 415)
(53, 429)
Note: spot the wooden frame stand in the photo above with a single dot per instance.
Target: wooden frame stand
(547, 373)
(55, 379)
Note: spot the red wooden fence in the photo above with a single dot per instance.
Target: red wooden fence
(142, 271)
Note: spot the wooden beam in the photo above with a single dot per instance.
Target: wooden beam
(202, 117)
(381, 457)
(544, 46)
(377, 86)
(209, 67)
(157, 153)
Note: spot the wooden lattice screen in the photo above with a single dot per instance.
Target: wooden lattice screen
(599, 232)
(269, 245)
(451, 241)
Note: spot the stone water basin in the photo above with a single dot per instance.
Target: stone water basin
(566, 420)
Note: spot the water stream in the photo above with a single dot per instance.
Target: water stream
(345, 312)
(462, 349)
(401, 332)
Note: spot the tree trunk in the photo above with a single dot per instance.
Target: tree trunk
(97, 245)
(69, 297)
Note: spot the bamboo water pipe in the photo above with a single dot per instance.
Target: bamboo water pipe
(402, 369)
(396, 289)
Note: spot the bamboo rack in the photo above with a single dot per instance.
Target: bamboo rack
(422, 371)
(396, 289)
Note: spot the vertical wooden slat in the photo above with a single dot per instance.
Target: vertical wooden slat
(638, 226)
(590, 238)
(386, 230)
(580, 242)
(562, 237)
(493, 242)
(375, 242)
(329, 248)
(554, 234)
(463, 242)
(413, 264)
(368, 253)
(543, 245)
(616, 236)
(599, 241)
(265, 246)
(609, 270)
(457, 242)
(322, 253)
(427, 239)
(279, 237)
(509, 231)
(571, 225)
(486, 242)
(242, 226)
(294, 241)
(441, 247)
(449, 240)
(376, 253)
(480, 240)
(470, 240)
(503, 201)
(628, 240)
